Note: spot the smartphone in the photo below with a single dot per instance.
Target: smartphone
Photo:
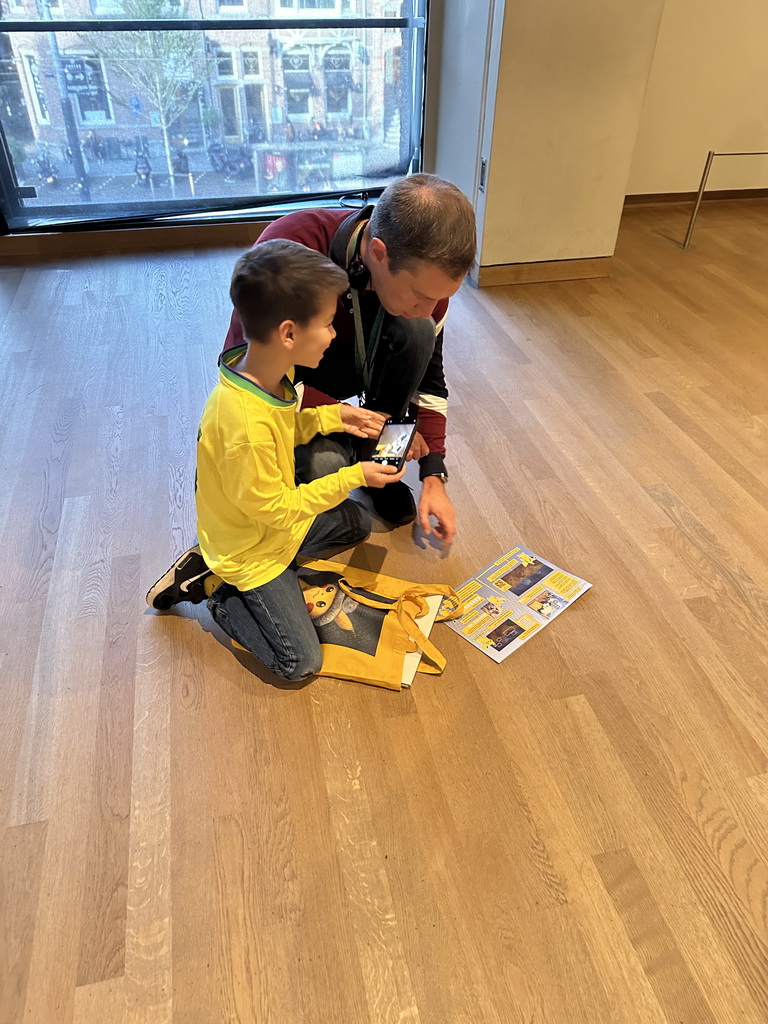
(393, 443)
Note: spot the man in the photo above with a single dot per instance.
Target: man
(405, 257)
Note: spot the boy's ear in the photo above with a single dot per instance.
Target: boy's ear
(286, 332)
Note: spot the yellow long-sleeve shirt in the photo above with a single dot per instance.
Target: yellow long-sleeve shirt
(251, 514)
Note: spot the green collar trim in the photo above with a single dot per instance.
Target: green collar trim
(239, 381)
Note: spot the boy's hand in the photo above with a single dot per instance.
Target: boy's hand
(377, 475)
(362, 422)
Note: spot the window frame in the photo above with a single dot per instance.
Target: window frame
(62, 213)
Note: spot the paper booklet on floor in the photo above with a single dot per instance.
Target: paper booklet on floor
(512, 599)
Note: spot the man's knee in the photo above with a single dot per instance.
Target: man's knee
(416, 335)
(321, 457)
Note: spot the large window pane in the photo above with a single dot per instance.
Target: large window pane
(210, 10)
(109, 123)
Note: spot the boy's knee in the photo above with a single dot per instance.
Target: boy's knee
(362, 522)
(303, 664)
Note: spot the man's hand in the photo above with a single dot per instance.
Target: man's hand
(418, 449)
(362, 422)
(435, 502)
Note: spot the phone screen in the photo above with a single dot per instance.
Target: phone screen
(393, 442)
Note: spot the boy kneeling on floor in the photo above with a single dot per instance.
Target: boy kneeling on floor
(253, 519)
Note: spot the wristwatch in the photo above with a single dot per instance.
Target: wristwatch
(440, 476)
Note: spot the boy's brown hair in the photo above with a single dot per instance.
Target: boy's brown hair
(279, 280)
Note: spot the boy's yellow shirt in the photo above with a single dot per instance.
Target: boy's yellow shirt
(251, 514)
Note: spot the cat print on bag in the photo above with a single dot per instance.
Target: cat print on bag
(338, 618)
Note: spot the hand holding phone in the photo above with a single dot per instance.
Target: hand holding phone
(377, 475)
(393, 443)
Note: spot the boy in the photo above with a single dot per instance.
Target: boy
(253, 519)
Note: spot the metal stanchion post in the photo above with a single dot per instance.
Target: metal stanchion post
(707, 167)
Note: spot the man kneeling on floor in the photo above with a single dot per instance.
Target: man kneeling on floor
(253, 518)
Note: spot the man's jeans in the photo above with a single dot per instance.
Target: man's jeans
(402, 357)
(272, 621)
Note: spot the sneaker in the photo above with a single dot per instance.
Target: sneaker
(184, 581)
(393, 503)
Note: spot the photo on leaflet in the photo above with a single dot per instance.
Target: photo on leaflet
(489, 608)
(546, 603)
(523, 577)
(503, 634)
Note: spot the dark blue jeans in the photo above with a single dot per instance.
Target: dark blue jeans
(272, 621)
(402, 357)
(401, 360)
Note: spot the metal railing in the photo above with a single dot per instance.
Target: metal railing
(700, 195)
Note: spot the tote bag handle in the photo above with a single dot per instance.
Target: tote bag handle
(415, 595)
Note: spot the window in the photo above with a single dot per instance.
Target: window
(330, 107)
(337, 65)
(225, 63)
(298, 81)
(253, 96)
(251, 64)
(230, 122)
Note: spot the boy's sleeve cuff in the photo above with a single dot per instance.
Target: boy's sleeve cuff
(353, 475)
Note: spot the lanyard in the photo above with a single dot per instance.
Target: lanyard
(364, 354)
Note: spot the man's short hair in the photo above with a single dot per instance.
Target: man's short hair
(424, 218)
(279, 280)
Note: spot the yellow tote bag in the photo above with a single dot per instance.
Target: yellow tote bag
(368, 623)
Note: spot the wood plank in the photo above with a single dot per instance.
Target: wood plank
(21, 865)
(676, 989)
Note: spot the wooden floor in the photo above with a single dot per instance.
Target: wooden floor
(577, 836)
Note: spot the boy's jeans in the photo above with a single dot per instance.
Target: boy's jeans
(272, 621)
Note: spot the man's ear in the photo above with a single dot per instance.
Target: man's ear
(377, 251)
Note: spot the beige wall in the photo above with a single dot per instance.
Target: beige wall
(708, 89)
(572, 77)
